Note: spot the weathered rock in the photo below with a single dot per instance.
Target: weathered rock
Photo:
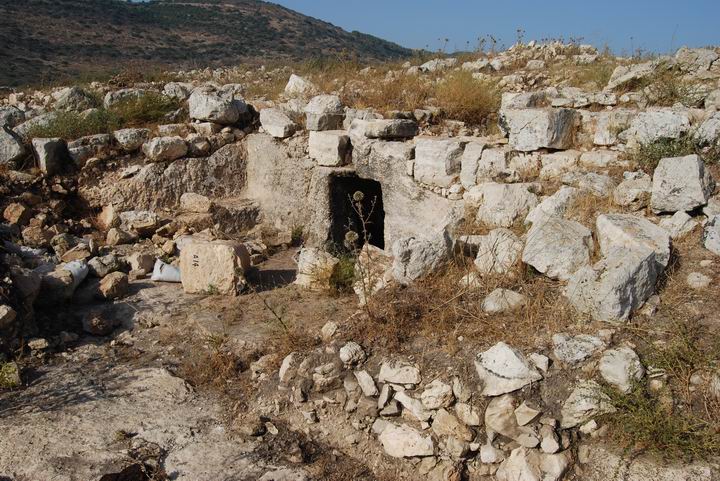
(533, 129)
(445, 424)
(209, 106)
(373, 272)
(634, 233)
(634, 191)
(624, 75)
(573, 350)
(679, 224)
(123, 95)
(144, 222)
(697, 280)
(655, 124)
(276, 123)
(599, 459)
(117, 236)
(102, 266)
(177, 90)
(413, 406)
(10, 116)
(299, 86)
(558, 163)
(416, 257)
(708, 134)
(191, 202)
(216, 267)
(406, 442)
(614, 287)
(398, 372)
(503, 369)
(114, 285)
(711, 235)
(681, 183)
(558, 247)
(51, 155)
(131, 140)
(553, 206)
(584, 403)
(500, 205)
(324, 112)
(386, 129)
(367, 384)
(315, 268)
(16, 213)
(11, 148)
(437, 161)
(621, 367)
(330, 148)
(498, 252)
(502, 300)
(531, 465)
(437, 395)
(85, 148)
(75, 98)
(163, 149)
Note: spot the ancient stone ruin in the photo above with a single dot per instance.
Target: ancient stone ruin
(299, 287)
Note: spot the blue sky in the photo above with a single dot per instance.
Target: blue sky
(654, 25)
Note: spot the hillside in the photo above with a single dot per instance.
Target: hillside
(49, 40)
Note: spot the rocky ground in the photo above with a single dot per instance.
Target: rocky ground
(453, 270)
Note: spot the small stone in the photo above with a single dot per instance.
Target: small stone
(352, 353)
(525, 414)
(696, 280)
(399, 372)
(114, 285)
(437, 395)
(367, 384)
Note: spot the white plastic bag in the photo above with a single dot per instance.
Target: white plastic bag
(163, 272)
(79, 270)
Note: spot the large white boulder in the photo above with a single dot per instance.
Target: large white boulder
(11, 148)
(299, 86)
(131, 140)
(503, 369)
(500, 205)
(276, 123)
(385, 129)
(330, 148)
(711, 235)
(681, 183)
(709, 131)
(438, 161)
(558, 163)
(655, 124)
(165, 149)
(51, 155)
(498, 252)
(634, 191)
(553, 206)
(315, 268)
(614, 287)
(558, 247)
(533, 129)
(632, 232)
(324, 112)
(417, 257)
(216, 267)
(210, 106)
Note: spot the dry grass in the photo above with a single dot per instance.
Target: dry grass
(438, 310)
(463, 98)
(402, 92)
(594, 76)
